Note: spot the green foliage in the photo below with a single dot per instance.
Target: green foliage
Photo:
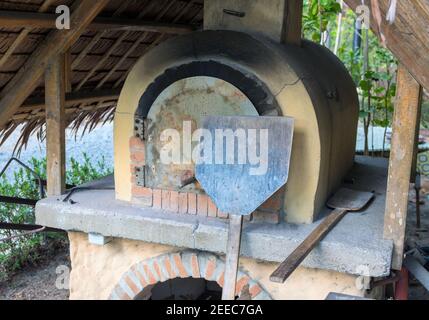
(372, 67)
(80, 173)
(19, 251)
(317, 16)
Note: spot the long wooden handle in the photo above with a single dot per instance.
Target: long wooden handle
(232, 255)
(288, 266)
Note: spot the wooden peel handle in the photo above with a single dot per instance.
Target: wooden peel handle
(232, 256)
(288, 266)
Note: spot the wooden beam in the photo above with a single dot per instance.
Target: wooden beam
(407, 37)
(57, 42)
(140, 39)
(22, 35)
(23, 117)
(139, 25)
(33, 20)
(102, 60)
(159, 39)
(292, 27)
(97, 37)
(404, 124)
(416, 139)
(74, 98)
(55, 127)
(117, 43)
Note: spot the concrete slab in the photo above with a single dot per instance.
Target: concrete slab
(355, 246)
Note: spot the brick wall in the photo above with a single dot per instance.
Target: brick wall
(186, 202)
(186, 264)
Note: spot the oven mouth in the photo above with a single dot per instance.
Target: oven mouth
(255, 90)
(185, 94)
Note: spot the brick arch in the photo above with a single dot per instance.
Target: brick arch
(185, 264)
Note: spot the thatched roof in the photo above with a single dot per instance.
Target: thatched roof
(103, 55)
(100, 59)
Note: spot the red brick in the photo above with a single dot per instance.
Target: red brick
(138, 158)
(142, 196)
(157, 199)
(122, 294)
(212, 209)
(142, 192)
(157, 270)
(192, 203)
(240, 284)
(275, 202)
(210, 268)
(255, 290)
(195, 266)
(133, 173)
(174, 201)
(136, 144)
(179, 264)
(132, 285)
(168, 267)
(165, 199)
(202, 204)
(150, 276)
(183, 203)
(139, 276)
(270, 217)
(222, 215)
(221, 280)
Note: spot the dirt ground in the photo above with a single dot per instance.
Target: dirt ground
(37, 282)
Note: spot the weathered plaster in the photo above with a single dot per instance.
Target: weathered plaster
(96, 270)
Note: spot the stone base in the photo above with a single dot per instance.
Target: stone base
(355, 246)
(123, 269)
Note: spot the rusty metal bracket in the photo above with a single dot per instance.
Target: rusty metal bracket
(140, 128)
(140, 176)
(378, 283)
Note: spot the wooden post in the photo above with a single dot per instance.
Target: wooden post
(416, 140)
(401, 161)
(55, 126)
(292, 27)
(68, 71)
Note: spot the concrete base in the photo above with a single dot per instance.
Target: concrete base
(96, 271)
(354, 246)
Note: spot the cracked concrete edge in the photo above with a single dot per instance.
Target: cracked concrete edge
(184, 231)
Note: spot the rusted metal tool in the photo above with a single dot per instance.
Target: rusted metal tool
(344, 201)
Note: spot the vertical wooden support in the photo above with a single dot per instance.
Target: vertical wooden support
(401, 161)
(416, 139)
(292, 28)
(55, 126)
(68, 71)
